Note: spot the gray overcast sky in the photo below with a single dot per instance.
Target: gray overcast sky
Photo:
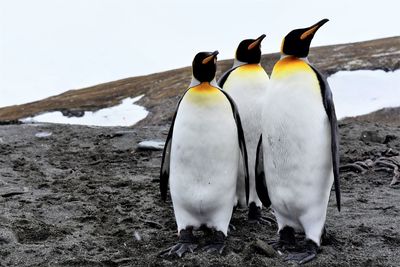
(50, 46)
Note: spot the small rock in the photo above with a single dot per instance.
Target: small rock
(123, 260)
(7, 236)
(151, 145)
(265, 249)
(390, 153)
(14, 192)
(121, 133)
(137, 236)
(372, 136)
(389, 138)
(43, 134)
(73, 113)
(115, 134)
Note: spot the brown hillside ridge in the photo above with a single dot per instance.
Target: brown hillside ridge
(162, 90)
(385, 115)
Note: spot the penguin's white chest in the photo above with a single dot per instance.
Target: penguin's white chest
(204, 156)
(296, 140)
(247, 85)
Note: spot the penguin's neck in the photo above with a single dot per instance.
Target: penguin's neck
(305, 59)
(196, 82)
(238, 63)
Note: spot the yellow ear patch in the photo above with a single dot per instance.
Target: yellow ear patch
(283, 42)
(204, 93)
(290, 65)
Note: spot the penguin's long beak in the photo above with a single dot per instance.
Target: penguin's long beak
(256, 42)
(210, 57)
(311, 30)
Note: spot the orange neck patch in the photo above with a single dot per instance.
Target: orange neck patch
(204, 88)
(204, 94)
(290, 65)
(249, 69)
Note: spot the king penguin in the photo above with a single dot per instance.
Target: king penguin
(246, 82)
(200, 159)
(298, 152)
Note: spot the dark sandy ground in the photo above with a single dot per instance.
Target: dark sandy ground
(85, 196)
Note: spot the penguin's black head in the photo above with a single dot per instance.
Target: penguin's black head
(297, 42)
(204, 66)
(249, 50)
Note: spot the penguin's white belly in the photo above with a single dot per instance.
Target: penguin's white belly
(249, 103)
(247, 86)
(248, 96)
(203, 170)
(297, 153)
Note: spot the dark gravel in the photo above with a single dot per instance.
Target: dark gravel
(85, 196)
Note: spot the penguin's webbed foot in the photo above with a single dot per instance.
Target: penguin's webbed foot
(263, 220)
(179, 249)
(255, 216)
(186, 243)
(217, 243)
(287, 240)
(281, 246)
(309, 254)
(214, 248)
(301, 257)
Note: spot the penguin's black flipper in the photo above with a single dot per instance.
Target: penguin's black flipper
(164, 172)
(242, 142)
(224, 77)
(330, 111)
(261, 186)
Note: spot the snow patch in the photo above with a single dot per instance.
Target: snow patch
(124, 114)
(43, 134)
(354, 92)
(364, 91)
(151, 145)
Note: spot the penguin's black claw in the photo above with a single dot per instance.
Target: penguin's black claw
(276, 244)
(217, 243)
(255, 216)
(214, 248)
(263, 220)
(179, 249)
(309, 254)
(281, 246)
